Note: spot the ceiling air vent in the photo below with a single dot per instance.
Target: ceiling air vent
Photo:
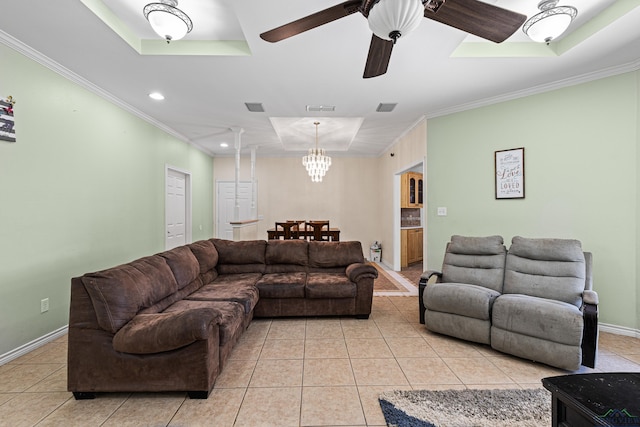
(254, 107)
(321, 108)
(386, 107)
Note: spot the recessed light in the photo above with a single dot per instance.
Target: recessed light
(156, 95)
(224, 145)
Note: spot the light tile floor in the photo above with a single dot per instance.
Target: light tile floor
(293, 372)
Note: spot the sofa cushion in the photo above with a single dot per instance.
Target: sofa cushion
(546, 268)
(539, 317)
(206, 254)
(287, 252)
(183, 264)
(328, 285)
(475, 260)
(242, 252)
(238, 288)
(460, 298)
(334, 254)
(158, 332)
(282, 285)
(231, 315)
(118, 293)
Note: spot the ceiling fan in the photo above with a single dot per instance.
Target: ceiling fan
(390, 19)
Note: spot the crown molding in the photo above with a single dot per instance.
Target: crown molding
(576, 80)
(47, 62)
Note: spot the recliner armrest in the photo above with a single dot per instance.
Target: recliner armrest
(590, 297)
(429, 276)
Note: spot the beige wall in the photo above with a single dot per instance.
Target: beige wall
(408, 151)
(357, 194)
(346, 196)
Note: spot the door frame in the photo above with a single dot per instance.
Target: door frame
(397, 195)
(187, 201)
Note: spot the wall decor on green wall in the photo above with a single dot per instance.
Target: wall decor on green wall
(7, 130)
(509, 173)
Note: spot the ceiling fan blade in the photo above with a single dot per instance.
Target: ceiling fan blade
(312, 21)
(378, 58)
(477, 18)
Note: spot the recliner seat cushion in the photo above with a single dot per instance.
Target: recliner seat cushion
(542, 318)
(460, 298)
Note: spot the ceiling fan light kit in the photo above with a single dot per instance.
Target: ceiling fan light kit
(391, 19)
(316, 162)
(550, 23)
(167, 20)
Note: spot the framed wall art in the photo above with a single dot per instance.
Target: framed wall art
(509, 173)
(7, 130)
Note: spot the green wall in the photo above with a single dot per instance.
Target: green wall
(581, 179)
(82, 189)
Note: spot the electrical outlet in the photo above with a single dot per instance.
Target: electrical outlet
(44, 305)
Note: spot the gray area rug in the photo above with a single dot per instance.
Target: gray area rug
(467, 408)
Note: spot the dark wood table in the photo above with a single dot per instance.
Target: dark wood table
(333, 233)
(598, 399)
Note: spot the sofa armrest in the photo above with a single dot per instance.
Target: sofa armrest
(358, 271)
(158, 332)
(590, 328)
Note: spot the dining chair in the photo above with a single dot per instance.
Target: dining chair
(288, 231)
(320, 230)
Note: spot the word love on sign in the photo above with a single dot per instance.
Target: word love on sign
(509, 170)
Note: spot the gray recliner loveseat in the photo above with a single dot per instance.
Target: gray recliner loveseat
(533, 301)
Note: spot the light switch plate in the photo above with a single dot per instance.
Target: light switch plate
(442, 211)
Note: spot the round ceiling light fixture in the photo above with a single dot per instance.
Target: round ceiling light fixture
(167, 20)
(391, 19)
(550, 23)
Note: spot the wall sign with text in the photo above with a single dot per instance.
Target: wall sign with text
(509, 173)
(7, 129)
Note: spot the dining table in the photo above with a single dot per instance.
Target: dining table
(305, 233)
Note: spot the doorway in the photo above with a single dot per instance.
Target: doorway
(177, 207)
(225, 203)
(401, 233)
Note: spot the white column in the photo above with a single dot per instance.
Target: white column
(254, 187)
(236, 205)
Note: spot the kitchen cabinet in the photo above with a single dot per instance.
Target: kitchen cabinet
(410, 246)
(412, 193)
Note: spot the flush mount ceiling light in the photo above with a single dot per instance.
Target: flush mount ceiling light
(550, 23)
(167, 20)
(391, 19)
(316, 162)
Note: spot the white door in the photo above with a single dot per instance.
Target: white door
(225, 202)
(177, 209)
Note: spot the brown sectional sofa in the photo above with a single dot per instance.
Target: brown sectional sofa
(168, 322)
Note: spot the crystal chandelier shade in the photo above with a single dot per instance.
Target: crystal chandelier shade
(167, 20)
(391, 19)
(316, 162)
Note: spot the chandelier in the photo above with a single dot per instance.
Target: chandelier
(550, 23)
(167, 20)
(316, 162)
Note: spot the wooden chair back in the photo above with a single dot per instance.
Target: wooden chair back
(318, 230)
(288, 230)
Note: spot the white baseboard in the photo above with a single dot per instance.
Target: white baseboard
(30, 346)
(619, 330)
